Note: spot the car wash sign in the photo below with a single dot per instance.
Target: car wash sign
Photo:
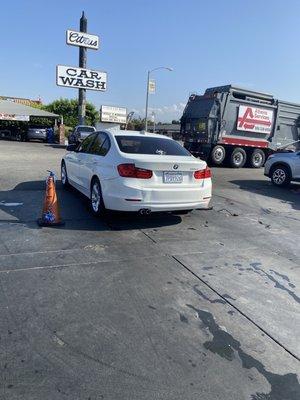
(255, 119)
(80, 78)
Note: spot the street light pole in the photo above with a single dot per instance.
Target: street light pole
(147, 92)
(147, 97)
(153, 120)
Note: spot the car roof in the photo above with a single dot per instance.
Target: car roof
(119, 132)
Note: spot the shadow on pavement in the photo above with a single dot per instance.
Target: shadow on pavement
(290, 194)
(56, 145)
(24, 203)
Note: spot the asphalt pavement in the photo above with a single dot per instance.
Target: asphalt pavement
(202, 306)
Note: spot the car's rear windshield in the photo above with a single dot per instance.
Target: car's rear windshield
(86, 129)
(150, 145)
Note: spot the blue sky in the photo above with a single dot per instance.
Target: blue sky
(254, 44)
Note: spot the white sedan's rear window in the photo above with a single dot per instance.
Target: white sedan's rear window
(150, 145)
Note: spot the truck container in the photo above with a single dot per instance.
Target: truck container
(239, 126)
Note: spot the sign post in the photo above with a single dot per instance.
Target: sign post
(80, 77)
(82, 64)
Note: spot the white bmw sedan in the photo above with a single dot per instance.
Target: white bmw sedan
(133, 171)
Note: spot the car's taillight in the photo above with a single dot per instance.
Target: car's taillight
(202, 173)
(131, 171)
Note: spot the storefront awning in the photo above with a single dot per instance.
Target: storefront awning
(10, 111)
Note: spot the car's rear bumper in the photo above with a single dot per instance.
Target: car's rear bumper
(159, 199)
(40, 136)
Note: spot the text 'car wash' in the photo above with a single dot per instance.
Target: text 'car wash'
(80, 78)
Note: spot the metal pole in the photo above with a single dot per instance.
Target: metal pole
(82, 64)
(153, 123)
(147, 95)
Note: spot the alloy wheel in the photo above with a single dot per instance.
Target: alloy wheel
(63, 174)
(96, 197)
(279, 176)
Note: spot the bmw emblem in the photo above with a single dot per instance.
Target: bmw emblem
(175, 166)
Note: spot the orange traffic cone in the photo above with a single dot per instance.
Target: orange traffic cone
(51, 214)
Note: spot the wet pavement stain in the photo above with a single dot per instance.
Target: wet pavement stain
(198, 291)
(284, 277)
(257, 268)
(183, 318)
(152, 307)
(227, 296)
(283, 387)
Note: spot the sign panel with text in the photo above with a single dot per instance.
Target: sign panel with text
(82, 39)
(13, 117)
(254, 119)
(113, 114)
(80, 78)
(152, 86)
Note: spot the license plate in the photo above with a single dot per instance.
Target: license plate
(172, 177)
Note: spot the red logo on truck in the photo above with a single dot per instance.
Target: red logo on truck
(248, 120)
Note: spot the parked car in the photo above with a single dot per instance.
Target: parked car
(36, 133)
(283, 168)
(12, 134)
(80, 132)
(133, 171)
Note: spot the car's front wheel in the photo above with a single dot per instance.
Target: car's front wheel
(96, 200)
(280, 175)
(64, 175)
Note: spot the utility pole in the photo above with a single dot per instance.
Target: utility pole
(82, 64)
(147, 92)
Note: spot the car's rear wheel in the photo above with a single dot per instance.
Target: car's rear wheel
(64, 175)
(96, 200)
(238, 158)
(280, 175)
(257, 158)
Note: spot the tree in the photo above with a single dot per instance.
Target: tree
(136, 124)
(69, 110)
(175, 121)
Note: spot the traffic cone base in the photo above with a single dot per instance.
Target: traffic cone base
(50, 214)
(42, 222)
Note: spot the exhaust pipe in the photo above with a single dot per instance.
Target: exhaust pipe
(145, 211)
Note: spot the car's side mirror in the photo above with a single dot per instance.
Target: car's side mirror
(72, 147)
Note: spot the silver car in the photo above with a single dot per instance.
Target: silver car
(37, 133)
(283, 168)
(80, 132)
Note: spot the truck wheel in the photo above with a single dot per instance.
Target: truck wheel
(238, 158)
(280, 175)
(218, 155)
(257, 158)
